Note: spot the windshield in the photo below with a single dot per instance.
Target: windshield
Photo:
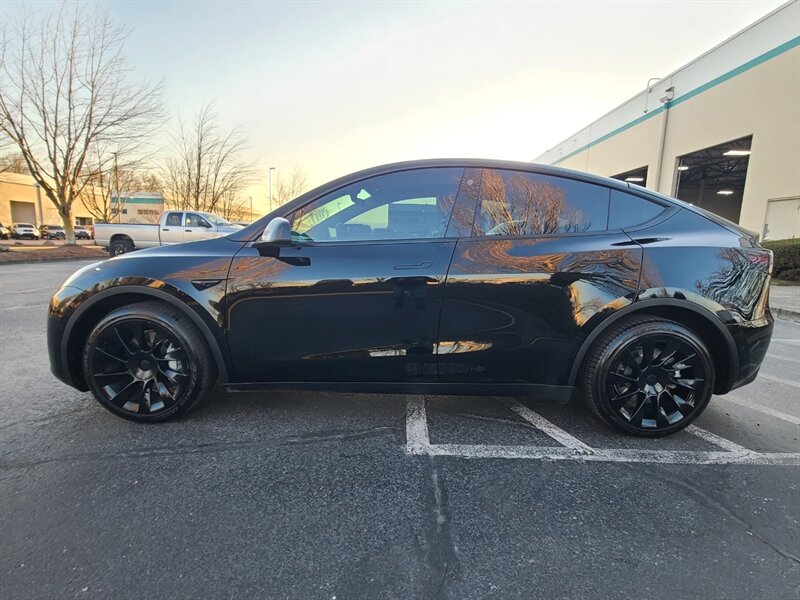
(24, 225)
(215, 220)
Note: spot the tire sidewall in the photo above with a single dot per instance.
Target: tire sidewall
(193, 387)
(119, 248)
(621, 343)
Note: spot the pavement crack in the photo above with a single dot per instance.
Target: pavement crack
(708, 501)
(210, 447)
(442, 553)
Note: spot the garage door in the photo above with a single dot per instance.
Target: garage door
(783, 219)
(23, 212)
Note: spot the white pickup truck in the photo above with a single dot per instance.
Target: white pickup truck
(175, 227)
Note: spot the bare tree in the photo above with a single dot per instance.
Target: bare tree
(290, 187)
(106, 180)
(234, 208)
(206, 165)
(13, 163)
(65, 89)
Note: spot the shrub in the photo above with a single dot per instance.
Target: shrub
(787, 258)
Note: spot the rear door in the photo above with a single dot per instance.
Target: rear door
(538, 269)
(359, 295)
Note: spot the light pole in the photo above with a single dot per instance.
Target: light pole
(116, 186)
(39, 204)
(251, 209)
(271, 169)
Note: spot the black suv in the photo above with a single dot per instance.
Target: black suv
(439, 276)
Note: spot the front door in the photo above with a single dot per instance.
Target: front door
(358, 296)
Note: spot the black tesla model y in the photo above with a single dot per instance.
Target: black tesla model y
(436, 276)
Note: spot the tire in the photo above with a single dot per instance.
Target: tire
(120, 246)
(147, 362)
(630, 380)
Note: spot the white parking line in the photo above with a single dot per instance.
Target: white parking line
(416, 425)
(418, 443)
(793, 359)
(542, 424)
(620, 455)
(761, 408)
(713, 438)
(778, 380)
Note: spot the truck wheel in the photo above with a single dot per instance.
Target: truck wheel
(147, 362)
(122, 246)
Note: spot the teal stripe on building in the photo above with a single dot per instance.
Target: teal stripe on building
(785, 47)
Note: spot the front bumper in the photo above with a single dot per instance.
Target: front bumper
(62, 365)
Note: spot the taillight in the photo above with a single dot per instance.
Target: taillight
(761, 258)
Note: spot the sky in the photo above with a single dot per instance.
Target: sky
(334, 87)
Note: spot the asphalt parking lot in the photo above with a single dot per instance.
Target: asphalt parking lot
(311, 495)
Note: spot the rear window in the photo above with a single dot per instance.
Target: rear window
(628, 210)
(519, 203)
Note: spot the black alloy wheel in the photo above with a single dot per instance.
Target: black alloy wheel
(147, 362)
(650, 377)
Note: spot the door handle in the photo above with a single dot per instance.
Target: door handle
(421, 265)
(164, 229)
(187, 231)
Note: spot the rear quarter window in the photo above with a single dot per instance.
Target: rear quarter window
(628, 210)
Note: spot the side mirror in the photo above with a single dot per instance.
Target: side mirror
(278, 232)
(205, 224)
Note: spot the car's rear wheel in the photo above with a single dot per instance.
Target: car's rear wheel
(121, 246)
(648, 377)
(147, 362)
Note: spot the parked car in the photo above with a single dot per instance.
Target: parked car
(24, 230)
(52, 232)
(174, 227)
(5, 233)
(439, 276)
(82, 233)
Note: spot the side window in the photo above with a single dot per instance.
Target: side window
(173, 219)
(406, 205)
(628, 210)
(519, 203)
(193, 220)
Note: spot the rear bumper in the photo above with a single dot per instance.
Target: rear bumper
(752, 341)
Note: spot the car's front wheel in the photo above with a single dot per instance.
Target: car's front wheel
(648, 377)
(147, 362)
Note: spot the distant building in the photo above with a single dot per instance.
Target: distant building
(722, 132)
(139, 207)
(21, 201)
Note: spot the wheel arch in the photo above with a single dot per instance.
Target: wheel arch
(121, 237)
(94, 308)
(710, 329)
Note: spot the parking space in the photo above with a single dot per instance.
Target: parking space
(312, 495)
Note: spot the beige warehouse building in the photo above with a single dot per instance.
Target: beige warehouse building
(722, 132)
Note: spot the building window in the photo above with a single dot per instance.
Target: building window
(636, 176)
(713, 178)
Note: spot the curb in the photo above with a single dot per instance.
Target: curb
(11, 263)
(785, 314)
